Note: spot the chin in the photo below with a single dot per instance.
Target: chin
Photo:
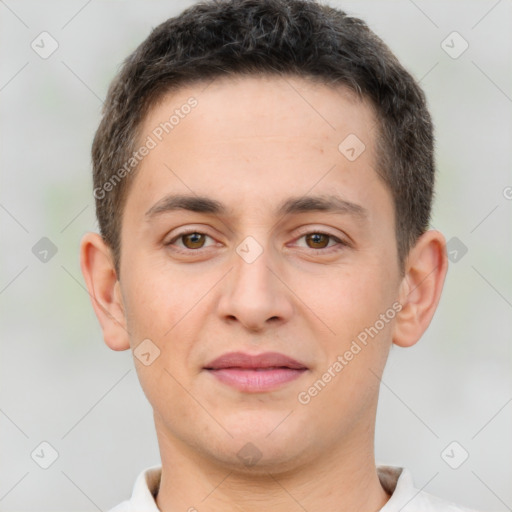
(261, 425)
(261, 457)
(261, 445)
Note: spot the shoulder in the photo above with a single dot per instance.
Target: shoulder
(428, 503)
(405, 497)
(144, 491)
(125, 506)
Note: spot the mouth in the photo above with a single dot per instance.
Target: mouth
(255, 373)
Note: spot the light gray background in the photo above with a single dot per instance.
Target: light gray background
(61, 384)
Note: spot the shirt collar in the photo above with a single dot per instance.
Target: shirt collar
(396, 481)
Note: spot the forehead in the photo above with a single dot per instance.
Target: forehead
(257, 135)
(263, 106)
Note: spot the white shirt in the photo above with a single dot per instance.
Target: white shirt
(396, 481)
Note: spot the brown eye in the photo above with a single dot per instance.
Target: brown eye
(193, 240)
(317, 240)
(188, 242)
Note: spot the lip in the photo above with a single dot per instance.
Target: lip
(255, 373)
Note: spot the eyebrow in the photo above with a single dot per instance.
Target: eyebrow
(293, 205)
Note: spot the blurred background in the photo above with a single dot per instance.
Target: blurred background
(446, 404)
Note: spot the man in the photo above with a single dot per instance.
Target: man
(263, 176)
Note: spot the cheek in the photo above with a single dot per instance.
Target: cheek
(167, 307)
(346, 382)
(351, 304)
(363, 321)
(159, 301)
(161, 308)
(350, 300)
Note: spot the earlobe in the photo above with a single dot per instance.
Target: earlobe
(100, 277)
(421, 288)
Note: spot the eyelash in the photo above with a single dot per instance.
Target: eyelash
(326, 250)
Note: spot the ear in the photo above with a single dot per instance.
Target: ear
(98, 269)
(421, 287)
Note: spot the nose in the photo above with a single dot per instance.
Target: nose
(255, 293)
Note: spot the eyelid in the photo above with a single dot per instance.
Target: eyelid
(185, 232)
(338, 244)
(303, 231)
(308, 230)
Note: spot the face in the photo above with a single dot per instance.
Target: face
(259, 225)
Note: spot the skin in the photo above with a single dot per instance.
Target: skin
(252, 143)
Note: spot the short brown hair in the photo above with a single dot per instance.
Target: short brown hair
(275, 37)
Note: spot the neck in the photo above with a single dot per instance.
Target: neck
(345, 479)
